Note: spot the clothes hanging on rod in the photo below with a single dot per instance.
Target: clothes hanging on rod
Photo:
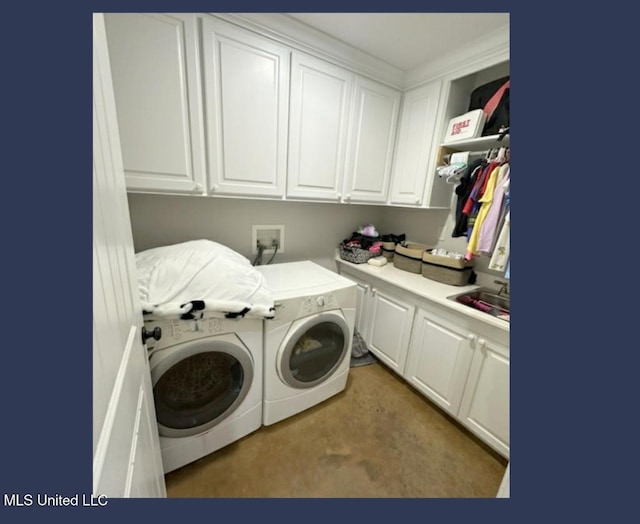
(482, 212)
(500, 257)
(463, 190)
(484, 203)
(456, 163)
(488, 229)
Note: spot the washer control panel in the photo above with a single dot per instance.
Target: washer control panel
(317, 303)
(174, 331)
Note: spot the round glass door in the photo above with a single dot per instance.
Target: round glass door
(314, 350)
(199, 387)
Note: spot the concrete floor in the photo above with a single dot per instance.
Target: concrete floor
(378, 438)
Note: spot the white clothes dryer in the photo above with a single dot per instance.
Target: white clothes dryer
(307, 346)
(207, 384)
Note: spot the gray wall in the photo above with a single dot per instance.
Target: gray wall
(312, 230)
(492, 73)
(420, 225)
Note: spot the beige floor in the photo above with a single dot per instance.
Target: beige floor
(378, 438)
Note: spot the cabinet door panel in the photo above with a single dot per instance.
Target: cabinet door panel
(156, 83)
(362, 306)
(246, 87)
(415, 141)
(371, 141)
(320, 97)
(439, 361)
(485, 405)
(390, 321)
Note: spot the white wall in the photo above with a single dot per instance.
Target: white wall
(312, 230)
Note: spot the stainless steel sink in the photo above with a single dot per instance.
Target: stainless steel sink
(486, 300)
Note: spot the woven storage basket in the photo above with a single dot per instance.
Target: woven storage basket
(408, 256)
(452, 271)
(388, 249)
(355, 255)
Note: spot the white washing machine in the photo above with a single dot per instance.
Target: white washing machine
(307, 346)
(207, 384)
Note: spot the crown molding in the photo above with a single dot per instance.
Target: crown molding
(483, 52)
(295, 34)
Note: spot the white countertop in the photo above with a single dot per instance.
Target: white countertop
(426, 288)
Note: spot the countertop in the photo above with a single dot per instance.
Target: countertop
(416, 284)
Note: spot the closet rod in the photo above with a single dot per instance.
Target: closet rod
(476, 154)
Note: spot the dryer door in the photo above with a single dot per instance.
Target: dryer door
(198, 384)
(313, 349)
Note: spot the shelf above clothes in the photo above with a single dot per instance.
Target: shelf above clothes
(478, 144)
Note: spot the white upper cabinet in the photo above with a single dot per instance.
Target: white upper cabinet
(319, 115)
(371, 141)
(246, 98)
(415, 140)
(154, 63)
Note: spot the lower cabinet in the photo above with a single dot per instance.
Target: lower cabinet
(452, 360)
(362, 307)
(390, 320)
(439, 360)
(485, 404)
(464, 373)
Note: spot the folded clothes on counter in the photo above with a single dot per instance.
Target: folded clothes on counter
(372, 244)
(440, 252)
(377, 261)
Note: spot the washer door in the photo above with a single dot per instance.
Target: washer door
(313, 348)
(198, 384)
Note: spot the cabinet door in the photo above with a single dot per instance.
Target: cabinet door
(246, 90)
(485, 404)
(414, 147)
(320, 98)
(439, 360)
(362, 306)
(154, 62)
(371, 140)
(390, 320)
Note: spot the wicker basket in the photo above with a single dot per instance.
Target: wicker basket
(388, 249)
(408, 256)
(452, 271)
(355, 255)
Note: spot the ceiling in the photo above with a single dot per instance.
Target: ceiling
(405, 40)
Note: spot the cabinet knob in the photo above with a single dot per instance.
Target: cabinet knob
(215, 187)
(482, 342)
(339, 196)
(472, 339)
(198, 187)
(348, 198)
(155, 334)
(418, 201)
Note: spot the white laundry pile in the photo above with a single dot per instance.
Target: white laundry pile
(201, 276)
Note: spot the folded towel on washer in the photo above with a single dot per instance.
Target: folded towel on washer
(201, 276)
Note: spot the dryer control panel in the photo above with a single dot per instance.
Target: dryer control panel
(317, 303)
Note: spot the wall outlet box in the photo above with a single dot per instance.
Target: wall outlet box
(267, 235)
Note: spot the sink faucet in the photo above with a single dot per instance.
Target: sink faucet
(504, 287)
